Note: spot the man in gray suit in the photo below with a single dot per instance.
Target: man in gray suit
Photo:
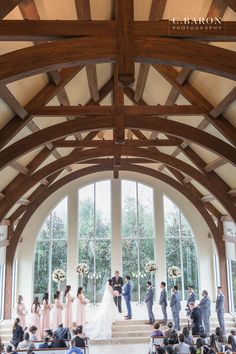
(205, 306)
(163, 301)
(220, 301)
(191, 299)
(175, 307)
(149, 302)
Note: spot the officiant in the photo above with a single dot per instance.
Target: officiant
(117, 284)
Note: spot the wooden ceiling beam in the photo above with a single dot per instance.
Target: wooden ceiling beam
(231, 4)
(224, 104)
(194, 97)
(7, 6)
(215, 164)
(19, 167)
(104, 143)
(232, 192)
(12, 102)
(208, 198)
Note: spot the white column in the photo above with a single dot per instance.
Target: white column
(72, 248)
(116, 244)
(160, 240)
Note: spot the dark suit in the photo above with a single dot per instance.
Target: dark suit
(163, 303)
(175, 309)
(117, 284)
(127, 297)
(191, 298)
(196, 317)
(220, 310)
(149, 303)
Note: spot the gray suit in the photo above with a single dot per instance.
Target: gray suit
(191, 298)
(175, 309)
(205, 306)
(163, 303)
(149, 303)
(220, 310)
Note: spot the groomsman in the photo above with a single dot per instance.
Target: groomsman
(117, 283)
(127, 297)
(205, 306)
(191, 298)
(149, 302)
(163, 301)
(175, 307)
(220, 300)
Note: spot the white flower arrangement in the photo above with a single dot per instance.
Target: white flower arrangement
(151, 267)
(58, 275)
(82, 268)
(174, 272)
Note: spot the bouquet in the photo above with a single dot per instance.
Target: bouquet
(82, 268)
(151, 267)
(174, 272)
(116, 293)
(58, 275)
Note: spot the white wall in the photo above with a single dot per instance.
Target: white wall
(25, 255)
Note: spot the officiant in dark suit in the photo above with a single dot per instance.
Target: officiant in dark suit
(117, 284)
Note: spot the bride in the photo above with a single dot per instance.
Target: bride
(100, 325)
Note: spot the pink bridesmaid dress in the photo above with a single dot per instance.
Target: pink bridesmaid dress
(20, 313)
(57, 314)
(45, 320)
(36, 319)
(68, 311)
(80, 320)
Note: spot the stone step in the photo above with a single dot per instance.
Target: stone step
(131, 328)
(144, 334)
(119, 341)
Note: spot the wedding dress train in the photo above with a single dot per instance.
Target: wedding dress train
(100, 325)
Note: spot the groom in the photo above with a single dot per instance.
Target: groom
(127, 297)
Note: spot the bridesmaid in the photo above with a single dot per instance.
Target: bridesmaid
(68, 310)
(57, 311)
(45, 320)
(80, 320)
(36, 315)
(20, 311)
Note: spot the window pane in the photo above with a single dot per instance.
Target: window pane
(185, 229)
(171, 219)
(45, 231)
(86, 211)
(145, 211)
(173, 259)
(233, 272)
(103, 266)
(86, 255)
(190, 266)
(41, 268)
(129, 209)
(103, 209)
(130, 264)
(146, 251)
(59, 220)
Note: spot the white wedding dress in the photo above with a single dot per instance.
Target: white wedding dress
(100, 325)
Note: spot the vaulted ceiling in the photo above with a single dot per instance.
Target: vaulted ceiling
(85, 89)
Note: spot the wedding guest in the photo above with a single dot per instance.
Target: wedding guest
(170, 329)
(46, 308)
(45, 343)
(68, 309)
(36, 315)
(181, 347)
(117, 284)
(33, 333)
(57, 310)
(163, 301)
(9, 350)
(157, 332)
(73, 349)
(149, 303)
(79, 337)
(175, 307)
(17, 333)
(57, 343)
(20, 311)
(25, 344)
(48, 333)
(188, 339)
(221, 337)
(62, 332)
(232, 340)
(81, 303)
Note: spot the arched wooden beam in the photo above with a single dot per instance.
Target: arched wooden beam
(63, 181)
(82, 51)
(76, 156)
(165, 126)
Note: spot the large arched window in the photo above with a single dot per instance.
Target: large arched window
(51, 250)
(137, 234)
(95, 236)
(180, 249)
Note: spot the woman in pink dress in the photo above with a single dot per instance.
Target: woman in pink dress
(68, 310)
(20, 311)
(45, 320)
(80, 320)
(36, 316)
(57, 311)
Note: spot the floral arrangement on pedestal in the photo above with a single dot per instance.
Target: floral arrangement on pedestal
(82, 268)
(151, 267)
(58, 275)
(174, 272)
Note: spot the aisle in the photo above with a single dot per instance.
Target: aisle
(119, 349)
